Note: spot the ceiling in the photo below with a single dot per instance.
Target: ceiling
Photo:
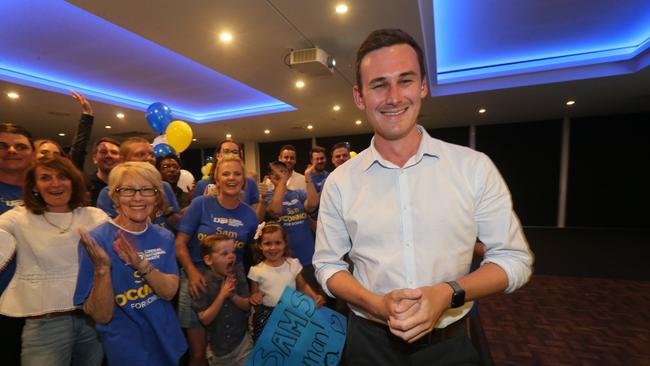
(264, 32)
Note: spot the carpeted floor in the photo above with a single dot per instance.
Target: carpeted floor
(570, 321)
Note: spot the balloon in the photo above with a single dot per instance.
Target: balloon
(353, 154)
(206, 169)
(159, 116)
(185, 181)
(162, 150)
(179, 135)
(162, 139)
(209, 159)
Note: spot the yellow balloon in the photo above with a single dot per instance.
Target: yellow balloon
(205, 170)
(179, 135)
(353, 154)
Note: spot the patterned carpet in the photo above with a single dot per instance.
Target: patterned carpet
(570, 321)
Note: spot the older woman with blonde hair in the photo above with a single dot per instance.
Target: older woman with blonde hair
(128, 274)
(44, 236)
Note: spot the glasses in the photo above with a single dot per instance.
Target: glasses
(170, 166)
(228, 151)
(18, 147)
(130, 192)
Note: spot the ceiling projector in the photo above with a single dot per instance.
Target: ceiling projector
(312, 61)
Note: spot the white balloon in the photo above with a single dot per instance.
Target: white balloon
(185, 181)
(162, 139)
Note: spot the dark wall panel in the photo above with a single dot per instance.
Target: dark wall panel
(528, 157)
(269, 151)
(609, 157)
(454, 135)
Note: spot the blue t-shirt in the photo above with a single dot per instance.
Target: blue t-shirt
(144, 329)
(205, 216)
(319, 180)
(294, 221)
(251, 193)
(105, 203)
(10, 197)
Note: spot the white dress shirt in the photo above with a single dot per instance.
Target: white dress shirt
(296, 182)
(417, 225)
(47, 261)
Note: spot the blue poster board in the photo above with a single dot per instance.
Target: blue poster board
(299, 333)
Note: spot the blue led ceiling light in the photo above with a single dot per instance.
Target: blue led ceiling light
(49, 44)
(477, 45)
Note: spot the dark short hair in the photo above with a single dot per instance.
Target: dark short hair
(35, 203)
(316, 149)
(168, 156)
(385, 38)
(339, 145)
(239, 146)
(8, 127)
(277, 163)
(287, 147)
(105, 139)
(208, 243)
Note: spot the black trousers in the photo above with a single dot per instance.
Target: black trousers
(372, 344)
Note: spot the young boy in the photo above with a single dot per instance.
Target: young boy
(223, 308)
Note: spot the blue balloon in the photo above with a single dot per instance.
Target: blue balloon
(159, 117)
(162, 150)
(209, 159)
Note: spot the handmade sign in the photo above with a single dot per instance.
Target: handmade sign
(298, 333)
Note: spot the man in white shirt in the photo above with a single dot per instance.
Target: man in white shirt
(296, 180)
(407, 211)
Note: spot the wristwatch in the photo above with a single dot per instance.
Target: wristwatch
(458, 298)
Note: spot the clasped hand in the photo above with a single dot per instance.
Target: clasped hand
(412, 313)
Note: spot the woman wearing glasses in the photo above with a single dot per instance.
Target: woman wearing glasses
(128, 274)
(44, 235)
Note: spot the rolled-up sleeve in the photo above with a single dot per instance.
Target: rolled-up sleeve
(332, 237)
(499, 228)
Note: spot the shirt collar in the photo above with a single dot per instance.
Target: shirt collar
(428, 147)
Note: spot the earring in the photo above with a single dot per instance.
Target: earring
(35, 193)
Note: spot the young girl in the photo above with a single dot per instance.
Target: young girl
(275, 271)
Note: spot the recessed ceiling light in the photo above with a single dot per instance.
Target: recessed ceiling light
(13, 95)
(225, 37)
(300, 84)
(309, 127)
(267, 131)
(107, 127)
(336, 108)
(570, 102)
(482, 110)
(193, 139)
(228, 135)
(61, 134)
(358, 122)
(341, 8)
(120, 115)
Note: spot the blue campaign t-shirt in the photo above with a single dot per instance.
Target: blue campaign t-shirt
(10, 197)
(105, 203)
(205, 216)
(144, 329)
(294, 221)
(251, 193)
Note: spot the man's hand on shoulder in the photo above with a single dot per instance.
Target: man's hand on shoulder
(424, 315)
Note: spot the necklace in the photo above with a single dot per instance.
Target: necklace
(62, 230)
